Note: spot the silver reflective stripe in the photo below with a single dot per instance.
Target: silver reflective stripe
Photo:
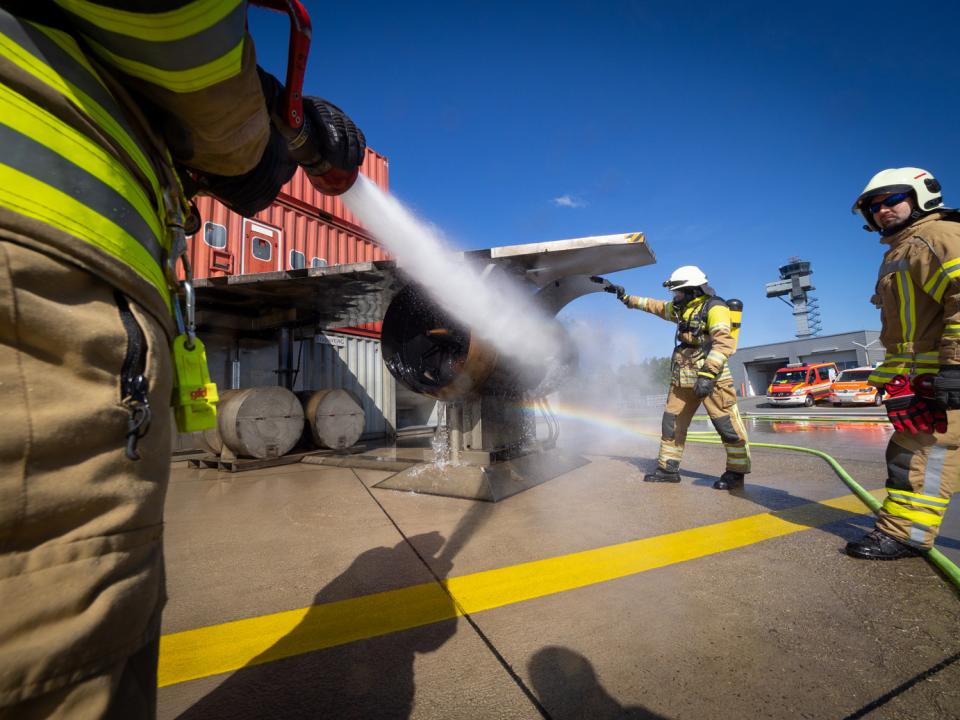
(892, 267)
(918, 532)
(932, 482)
(187, 53)
(933, 474)
(906, 283)
(31, 158)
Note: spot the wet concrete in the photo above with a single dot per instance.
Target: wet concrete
(784, 628)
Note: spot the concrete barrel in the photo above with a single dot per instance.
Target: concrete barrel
(335, 419)
(260, 422)
(212, 442)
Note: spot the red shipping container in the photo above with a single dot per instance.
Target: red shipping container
(302, 228)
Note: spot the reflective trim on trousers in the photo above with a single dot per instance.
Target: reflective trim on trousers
(932, 485)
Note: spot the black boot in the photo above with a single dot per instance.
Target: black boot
(730, 480)
(876, 545)
(661, 475)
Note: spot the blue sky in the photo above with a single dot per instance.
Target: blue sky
(733, 134)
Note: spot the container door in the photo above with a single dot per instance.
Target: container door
(262, 248)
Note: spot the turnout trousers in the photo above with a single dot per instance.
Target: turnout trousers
(81, 555)
(721, 406)
(922, 473)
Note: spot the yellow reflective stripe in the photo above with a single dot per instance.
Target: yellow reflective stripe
(153, 27)
(892, 507)
(716, 356)
(51, 132)
(908, 311)
(179, 81)
(931, 501)
(920, 358)
(29, 64)
(951, 330)
(34, 199)
(103, 118)
(937, 277)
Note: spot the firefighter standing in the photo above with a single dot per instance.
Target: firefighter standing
(705, 342)
(97, 106)
(918, 293)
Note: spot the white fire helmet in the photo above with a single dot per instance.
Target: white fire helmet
(923, 185)
(686, 276)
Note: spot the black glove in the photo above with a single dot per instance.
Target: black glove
(253, 191)
(330, 138)
(617, 289)
(338, 141)
(947, 387)
(706, 382)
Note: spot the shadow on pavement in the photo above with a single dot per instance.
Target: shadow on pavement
(567, 686)
(803, 511)
(371, 678)
(648, 465)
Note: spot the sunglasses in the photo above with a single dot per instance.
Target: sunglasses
(874, 208)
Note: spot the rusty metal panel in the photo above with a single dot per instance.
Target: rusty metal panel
(304, 235)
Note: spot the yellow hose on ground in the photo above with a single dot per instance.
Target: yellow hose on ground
(937, 558)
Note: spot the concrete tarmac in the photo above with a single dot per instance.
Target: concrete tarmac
(555, 607)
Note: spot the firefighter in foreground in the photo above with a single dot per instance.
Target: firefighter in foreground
(918, 293)
(105, 115)
(706, 339)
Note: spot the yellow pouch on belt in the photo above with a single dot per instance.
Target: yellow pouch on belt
(194, 396)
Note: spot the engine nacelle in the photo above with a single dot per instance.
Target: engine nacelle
(432, 354)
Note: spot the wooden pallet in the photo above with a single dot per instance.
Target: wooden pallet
(228, 462)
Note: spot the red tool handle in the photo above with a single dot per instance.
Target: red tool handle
(301, 32)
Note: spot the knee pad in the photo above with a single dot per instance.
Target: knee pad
(668, 427)
(898, 467)
(724, 426)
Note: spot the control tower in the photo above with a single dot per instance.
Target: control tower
(796, 282)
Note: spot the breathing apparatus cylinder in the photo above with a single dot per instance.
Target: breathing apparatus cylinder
(736, 313)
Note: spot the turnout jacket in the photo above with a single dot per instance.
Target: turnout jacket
(703, 337)
(918, 294)
(95, 104)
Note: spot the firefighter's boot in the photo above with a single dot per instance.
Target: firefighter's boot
(730, 480)
(876, 545)
(661, 475)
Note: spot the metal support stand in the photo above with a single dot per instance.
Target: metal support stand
(491, 454)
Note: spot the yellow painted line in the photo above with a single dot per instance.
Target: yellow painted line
(223, 648)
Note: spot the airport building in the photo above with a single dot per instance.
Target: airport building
(754, 367)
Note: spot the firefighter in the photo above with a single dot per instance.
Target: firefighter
(704, 344)
(103, 112)
(918, 294)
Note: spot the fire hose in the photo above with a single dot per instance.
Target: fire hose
(936, 558)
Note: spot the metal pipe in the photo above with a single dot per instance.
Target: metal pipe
(455, 423)
(235, 366)
(285, 358)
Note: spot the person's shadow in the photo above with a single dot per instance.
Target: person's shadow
(567, 686)
(371, 678)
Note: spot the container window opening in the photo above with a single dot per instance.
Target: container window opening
(297, 260)
(214, 235)
(318, 262)
(262, 249)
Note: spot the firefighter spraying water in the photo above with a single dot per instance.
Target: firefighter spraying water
(707, 329)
